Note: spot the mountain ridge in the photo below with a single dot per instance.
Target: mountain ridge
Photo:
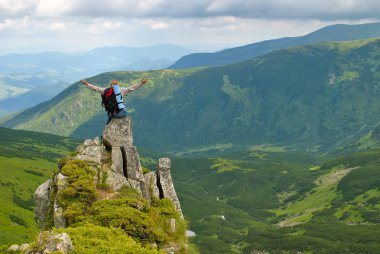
(338, 32)
(307, 104)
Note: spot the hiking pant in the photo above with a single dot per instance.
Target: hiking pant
(122, 113)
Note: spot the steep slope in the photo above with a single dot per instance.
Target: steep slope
(279, 202)
(26, 160)
(308, 97)
(233, 55)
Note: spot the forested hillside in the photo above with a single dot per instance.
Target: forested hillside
(317, 98)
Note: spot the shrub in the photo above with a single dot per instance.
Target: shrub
(91, 238)
(145, 170)
(130, 215)
(165, 208)
(79, 192)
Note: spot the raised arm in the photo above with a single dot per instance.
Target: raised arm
(92, 87)
(131, 88)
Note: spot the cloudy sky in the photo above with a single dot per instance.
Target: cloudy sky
(73, 25)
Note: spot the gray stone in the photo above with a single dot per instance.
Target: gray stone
(87, 142)
(151, 182)
(90, 142)
(59, 219)
(118, 133)
(190, 233)
(134, 184)
(24, 247)
(165, 183)
(116, 181)
(60, 181)
(55, 243)
(13, 248)
(169, 250)
(117, 160)
(91, 154)
(41, 198)
(133, 166)
(172, 225)
(164, 164)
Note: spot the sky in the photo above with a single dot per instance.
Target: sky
(29, 26)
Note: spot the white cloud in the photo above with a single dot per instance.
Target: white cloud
(53, 8)
(6, 24)
(12, 8)
(221, 23)
(257, 9)
(159, 25)
(57, 26)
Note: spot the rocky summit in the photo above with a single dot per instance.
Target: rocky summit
(101, 171)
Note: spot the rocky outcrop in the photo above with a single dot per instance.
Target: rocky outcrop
(54, 243)
(42, 201)
(47, 243)
(116, 163)
(165, 183)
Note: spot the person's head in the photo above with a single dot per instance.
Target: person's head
(114, 82)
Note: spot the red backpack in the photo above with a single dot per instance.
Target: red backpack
(109, 100)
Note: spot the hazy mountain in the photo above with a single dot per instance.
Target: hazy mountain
(38, 77)
(233, 55)
(313, 97)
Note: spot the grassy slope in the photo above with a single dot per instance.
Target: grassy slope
(310, 97)
(27, 159)
(234, 203)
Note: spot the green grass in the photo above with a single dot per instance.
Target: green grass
(351, 212)
(27, 159)
(318, 199)
(282, 188)
(15, 182)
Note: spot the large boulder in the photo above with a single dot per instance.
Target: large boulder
(50, 242)
(92, 152)
(59, 219)
(118, 133)
(42, 201)
(132, 163)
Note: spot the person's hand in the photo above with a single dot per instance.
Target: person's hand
(84, 82)
(144, 81)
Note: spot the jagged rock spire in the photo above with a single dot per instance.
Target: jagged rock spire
(117, 161)
(165, 183)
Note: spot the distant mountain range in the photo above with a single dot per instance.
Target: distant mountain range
(28, 79)
(315, 98)
(234, 55)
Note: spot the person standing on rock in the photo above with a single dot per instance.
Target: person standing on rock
(112, 97)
